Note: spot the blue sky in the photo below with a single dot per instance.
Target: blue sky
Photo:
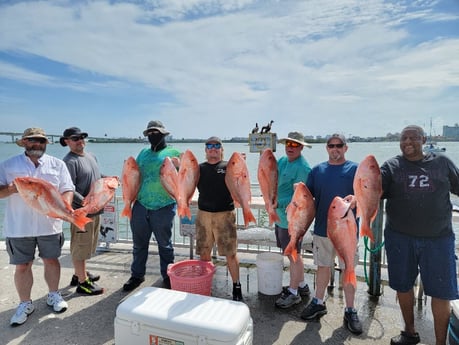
(217, 67)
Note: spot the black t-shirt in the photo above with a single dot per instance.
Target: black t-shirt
(214, 196)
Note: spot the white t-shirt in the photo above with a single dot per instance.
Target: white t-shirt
(20, 219)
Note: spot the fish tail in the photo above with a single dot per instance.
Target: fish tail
(273, 217)
(80, 219)
(365, 229)
(248, 217)
(184, 211)
(350, 278)
(127, 211)
(291, 250)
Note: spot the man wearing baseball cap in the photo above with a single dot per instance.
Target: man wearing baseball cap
(84, 170)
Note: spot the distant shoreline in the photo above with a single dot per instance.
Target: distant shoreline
(232, 140)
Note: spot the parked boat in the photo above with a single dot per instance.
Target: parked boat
(430, 145)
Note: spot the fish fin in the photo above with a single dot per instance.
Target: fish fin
(127, 211)
(80, 219)
(184, 211)
(248, 217)
(291, 250)
(365, 229)
(350, 278)
(67, 205)
(373, 216)
(273, 217)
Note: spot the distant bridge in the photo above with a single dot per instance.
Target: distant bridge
(14, 136)
(55, 138)
(52, 137)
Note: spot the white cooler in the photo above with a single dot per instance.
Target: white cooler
(155, 316)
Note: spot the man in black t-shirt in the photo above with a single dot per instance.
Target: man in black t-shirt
(216, 219)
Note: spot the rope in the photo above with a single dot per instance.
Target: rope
(368, 249)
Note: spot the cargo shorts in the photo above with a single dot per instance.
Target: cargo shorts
(216, 227)
(84, 244)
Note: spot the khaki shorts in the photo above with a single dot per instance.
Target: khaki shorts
(324, 253)
(84, 244)
(219, 228)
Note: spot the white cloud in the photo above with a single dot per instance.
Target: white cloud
(238, 62)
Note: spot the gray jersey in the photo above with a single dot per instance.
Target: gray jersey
(84, 170)
(418, 195)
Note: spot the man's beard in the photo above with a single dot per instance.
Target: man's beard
(35, 153)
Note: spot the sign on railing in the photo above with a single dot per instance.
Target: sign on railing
(109, 224)
(260, 141)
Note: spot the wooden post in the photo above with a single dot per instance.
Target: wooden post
(374, 284)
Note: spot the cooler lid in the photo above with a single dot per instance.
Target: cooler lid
(186, 313)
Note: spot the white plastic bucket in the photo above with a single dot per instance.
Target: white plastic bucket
(270, 267)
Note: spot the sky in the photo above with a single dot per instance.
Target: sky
(217, 67)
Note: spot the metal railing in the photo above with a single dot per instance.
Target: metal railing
(372, 259)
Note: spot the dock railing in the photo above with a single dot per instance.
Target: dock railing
(260, 238)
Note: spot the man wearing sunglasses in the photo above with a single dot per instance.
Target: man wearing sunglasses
(25, 229)
(328, 179)
(84, 170)
(292, 168)
(216, 220)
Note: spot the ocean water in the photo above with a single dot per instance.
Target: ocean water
(111, 157)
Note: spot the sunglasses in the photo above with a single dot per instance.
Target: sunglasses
(331, 146)
(292, 144)
(77, 138)
(213, 146)
(37, 140)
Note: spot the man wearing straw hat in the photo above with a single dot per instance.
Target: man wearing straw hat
(292, 168)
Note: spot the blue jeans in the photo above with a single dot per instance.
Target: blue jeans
(144, 223)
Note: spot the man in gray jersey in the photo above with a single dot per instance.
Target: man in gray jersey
(84, 170)
(418, 233)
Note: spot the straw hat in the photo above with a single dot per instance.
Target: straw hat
(33, 132)
(297, 137)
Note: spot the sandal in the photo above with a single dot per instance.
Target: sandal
(405, 338)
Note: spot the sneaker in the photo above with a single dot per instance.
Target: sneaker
(133, 283)
(237, 292)
(405, 338)
(287, 299)
(314, 310)
(304, 291)
(23, 310)
(88, 287)
(92, 277)
(351, 320)
(56, 301)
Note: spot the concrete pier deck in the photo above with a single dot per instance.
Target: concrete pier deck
(90, 319)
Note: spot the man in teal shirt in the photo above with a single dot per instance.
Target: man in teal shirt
(292, 168)
(154, 210)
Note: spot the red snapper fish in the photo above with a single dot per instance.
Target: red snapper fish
(342, 232)
(300, 213)
(46, 199)
(237, 180)
(267, 178)
(130, 185)
(168, 176)
(367, 191)
(101, 192)
(188, 177)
